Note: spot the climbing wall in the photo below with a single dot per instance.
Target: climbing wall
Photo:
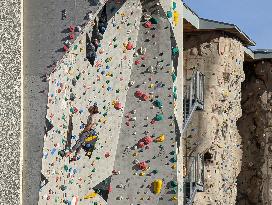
(73, 87)
(254, 181)
(146, 149)
(220, 58)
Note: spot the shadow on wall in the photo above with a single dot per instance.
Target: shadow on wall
(251, 185)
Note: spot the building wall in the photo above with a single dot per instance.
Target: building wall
(220, 58)
(254, 180)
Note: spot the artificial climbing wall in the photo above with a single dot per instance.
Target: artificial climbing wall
(220, 58)
(147, 143)
(104, 83)
(254, 180)
(126, 62)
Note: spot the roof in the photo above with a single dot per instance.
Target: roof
(198, 23)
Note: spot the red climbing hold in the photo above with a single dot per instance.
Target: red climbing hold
(107, 154)
(141, 144)
(138, 93)
(137, 62)
(110, 188)
(143, 166)
(147, 140)
(148, 24)
(129, 46)
(145, 97)
(71, 28)
(65, 48)
(72, 36)
(118, 106)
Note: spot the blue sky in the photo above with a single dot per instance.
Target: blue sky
(254, 17)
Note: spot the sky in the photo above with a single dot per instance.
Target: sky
(253, 17)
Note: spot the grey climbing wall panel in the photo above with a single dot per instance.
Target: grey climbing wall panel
(133, 185)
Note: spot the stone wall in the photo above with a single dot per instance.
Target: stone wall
(220, 58)
(254, 181)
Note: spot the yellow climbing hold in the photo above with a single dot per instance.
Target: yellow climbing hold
(225, 93)
(90, 196)
(161, 138)
(90, 138)
(142, 174)
(173, 166)
(174, 198)
(157, 186)
(176, 18)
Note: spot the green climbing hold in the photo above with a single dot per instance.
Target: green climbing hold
(174, 77)
(78, 76)
(158, 103)
(175, 51)
(107, 81)
(155, 171)
(172, 153)
(154, 20)
(169, 14)
(75, 47)
(173, 184)
(66, 168)
(159, 117)
(93, 170)
(97, 158)
(174, 5)
(174, 159)
(63, 187)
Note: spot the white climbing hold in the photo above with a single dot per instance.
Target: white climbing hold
(131, 83)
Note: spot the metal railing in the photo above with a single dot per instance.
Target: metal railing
(193, 97)
(194, 178)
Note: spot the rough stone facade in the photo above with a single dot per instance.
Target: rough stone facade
(220, 58)
(255, 128)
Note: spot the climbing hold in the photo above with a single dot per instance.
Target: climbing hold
(145, 97)
(143, 166)
(175, 51)
(71, 28)
(129, 46)
(154, 20)
(174, 198)
(65, 48)
(161, 138)
(118, 105)
(176, 18)
(147, 140)
(173, 184)
(174, 77)
(131, 83)
(138, 93)
(90, 196)
(148, 24)
(169, 14)
(71, 36)
(157, 184)
(158, 103)
(159, 117)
